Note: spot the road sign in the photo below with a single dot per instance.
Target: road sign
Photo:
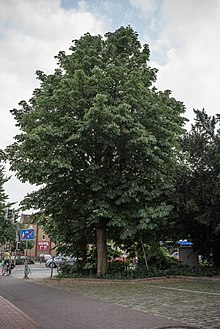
(43, 245)
(27, 234)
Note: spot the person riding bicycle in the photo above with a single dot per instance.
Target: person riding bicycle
(6, 258)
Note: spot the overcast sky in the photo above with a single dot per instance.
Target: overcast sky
(183, 38)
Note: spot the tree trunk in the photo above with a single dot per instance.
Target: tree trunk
(216, 253)
(101, 251)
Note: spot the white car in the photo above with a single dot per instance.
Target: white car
(45, 257)
(56, 261)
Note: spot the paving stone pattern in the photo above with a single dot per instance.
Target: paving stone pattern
(55, 308)
(196, 303)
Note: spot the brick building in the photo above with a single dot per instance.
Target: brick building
(42, 243)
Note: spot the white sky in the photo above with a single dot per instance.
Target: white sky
(183, 38)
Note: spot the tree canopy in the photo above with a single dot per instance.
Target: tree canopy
(6, 227)
(100, 141)
(197, 193)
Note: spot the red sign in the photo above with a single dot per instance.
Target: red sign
(43, 245)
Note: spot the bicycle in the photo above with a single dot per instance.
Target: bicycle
(27, 269)
(6, 268)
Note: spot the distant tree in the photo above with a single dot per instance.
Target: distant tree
(100, 140)
(197, 196)
(7, 231)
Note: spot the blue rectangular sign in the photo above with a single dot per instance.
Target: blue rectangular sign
(27, 234)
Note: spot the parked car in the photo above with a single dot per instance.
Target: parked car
(44, 257)
(58, 260)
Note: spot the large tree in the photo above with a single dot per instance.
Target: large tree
(197, 196)
(100, 140)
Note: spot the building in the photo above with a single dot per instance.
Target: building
(42, 244)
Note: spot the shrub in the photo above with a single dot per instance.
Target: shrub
(20, 261)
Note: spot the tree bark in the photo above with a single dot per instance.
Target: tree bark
(216, 253)
(101, 251)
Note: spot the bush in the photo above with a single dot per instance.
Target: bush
(118, 270)
(75, 270)
(20, 261)
(159, 261)
(117, 266)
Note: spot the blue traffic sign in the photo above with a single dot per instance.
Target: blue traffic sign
(27, 234)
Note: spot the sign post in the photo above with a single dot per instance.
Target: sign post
(26, 235)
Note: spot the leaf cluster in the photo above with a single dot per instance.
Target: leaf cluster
(197, 206)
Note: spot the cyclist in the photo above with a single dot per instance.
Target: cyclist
(6, 258)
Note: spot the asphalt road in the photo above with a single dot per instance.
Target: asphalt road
(37, 271)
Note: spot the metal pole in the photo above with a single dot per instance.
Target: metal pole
(26, 248)
(26, 262)
(145, 256)
(26, 269)
(51, 273)
(16, 243)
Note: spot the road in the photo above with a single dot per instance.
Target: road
(38, 271)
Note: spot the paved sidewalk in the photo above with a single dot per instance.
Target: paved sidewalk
(13, 318)
(57, 309)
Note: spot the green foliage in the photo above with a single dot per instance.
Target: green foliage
(100, 141)
(197, 206)
(181, 270)
(157, 258)
(7, 228)
(23, 245)
(124, 273)
(20, 261)
(117, 267)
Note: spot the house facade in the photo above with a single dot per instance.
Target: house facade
(42, 244)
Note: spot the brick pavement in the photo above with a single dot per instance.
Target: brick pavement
(50, 308)
(13, 318)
